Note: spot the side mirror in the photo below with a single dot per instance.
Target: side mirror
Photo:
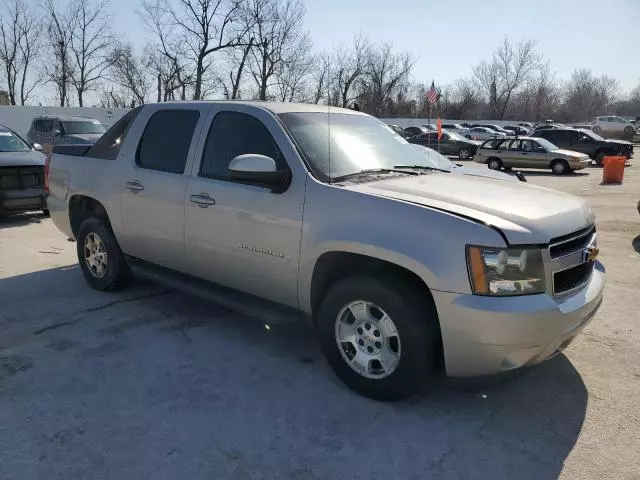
(37, 147)
(259, 170)
(56, 132)
(520, 176)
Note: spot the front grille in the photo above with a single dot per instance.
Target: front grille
(19, 178)
(571, 278)
(572, 242)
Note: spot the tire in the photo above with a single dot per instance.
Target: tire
(464, 153)
(417, 339)
(597, 130)
(46, 213)
(600, 154)
(628, 132)
(468, 137)
(495, 163)
(114, 272)
(560, 167)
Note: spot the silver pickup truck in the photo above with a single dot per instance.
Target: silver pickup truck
(328, 215)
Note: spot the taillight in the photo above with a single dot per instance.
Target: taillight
(46, 172)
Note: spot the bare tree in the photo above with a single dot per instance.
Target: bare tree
(320, 77)
(58, 66)
(292, 78)
(198, 28)
(349, 67)
(237, 59)
(277, 33)
(91, 44)
(20, 35)
(587, 96)
(386, 76)
(128, 72)
(508, 70)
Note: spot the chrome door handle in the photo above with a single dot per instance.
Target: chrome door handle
(203, 200)
(135, 186)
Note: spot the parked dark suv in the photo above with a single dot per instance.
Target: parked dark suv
(58, 130)
(585, 141)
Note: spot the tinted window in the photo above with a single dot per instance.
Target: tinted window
(232, 134)
(108, 146)
(43, 125)
(166, 139)
(83, 127)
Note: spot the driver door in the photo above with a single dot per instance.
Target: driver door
(239, 235)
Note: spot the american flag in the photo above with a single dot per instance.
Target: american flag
(432, 94)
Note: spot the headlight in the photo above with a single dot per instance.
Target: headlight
(503, 272)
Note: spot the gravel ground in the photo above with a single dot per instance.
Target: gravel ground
(149, 383)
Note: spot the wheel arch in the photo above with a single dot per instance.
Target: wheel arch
(335, 265)
(82, 207)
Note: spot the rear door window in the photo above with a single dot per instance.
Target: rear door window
(165, 143)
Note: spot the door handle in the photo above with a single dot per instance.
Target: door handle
(203, 200)
(135, 186)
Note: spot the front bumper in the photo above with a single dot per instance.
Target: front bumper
(22, 200)
(579, 164)
(490, 335)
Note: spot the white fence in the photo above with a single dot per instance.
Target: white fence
(19, 118)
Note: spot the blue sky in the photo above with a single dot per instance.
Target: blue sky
(448, 37)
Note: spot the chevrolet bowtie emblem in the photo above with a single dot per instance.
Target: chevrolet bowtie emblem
(591, 253)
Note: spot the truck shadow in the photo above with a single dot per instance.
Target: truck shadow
(244, 398)
(21, 220)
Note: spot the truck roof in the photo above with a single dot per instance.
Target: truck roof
(274, 107)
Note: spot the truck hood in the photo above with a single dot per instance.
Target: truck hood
(524, 213)
(618, 142)
(569, 153)
(21, 159)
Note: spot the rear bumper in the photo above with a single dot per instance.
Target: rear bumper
(25, 200)
(489, 335)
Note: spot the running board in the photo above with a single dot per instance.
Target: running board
(270, 313)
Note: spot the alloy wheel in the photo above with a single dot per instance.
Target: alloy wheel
(368, 339)
(95, 255)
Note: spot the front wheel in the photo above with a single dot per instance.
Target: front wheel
(381, 341)
(560, 167)
(600, 157)
(597, 130)
(103, 264)
(628, 132)
(495, 164)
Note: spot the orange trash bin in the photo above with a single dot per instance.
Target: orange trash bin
(613, 171)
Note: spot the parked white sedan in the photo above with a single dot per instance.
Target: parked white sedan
(481, 133)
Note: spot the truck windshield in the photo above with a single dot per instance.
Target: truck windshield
(12, 143)
(83, 127)
(338, 144)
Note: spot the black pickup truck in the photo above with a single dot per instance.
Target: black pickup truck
(585, 141)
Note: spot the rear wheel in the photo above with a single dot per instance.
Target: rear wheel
(560, 167)
(597, 130)
(468, 136)
(495, 163)
(628, 131)
(464, 153)
(381, 341)
(103, 263)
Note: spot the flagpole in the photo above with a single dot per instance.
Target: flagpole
(429, 138)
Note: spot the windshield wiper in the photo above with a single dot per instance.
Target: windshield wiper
(370, 171)
(422, 167)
